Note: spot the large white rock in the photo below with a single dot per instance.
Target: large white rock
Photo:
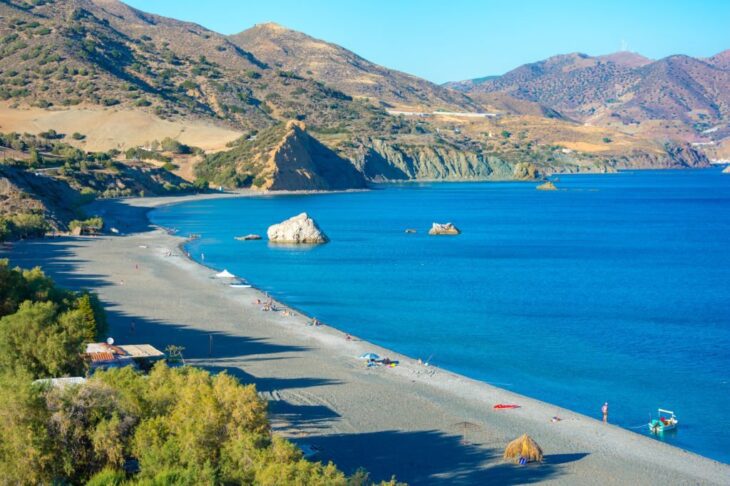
(300, 229)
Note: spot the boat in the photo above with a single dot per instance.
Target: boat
(664, 422)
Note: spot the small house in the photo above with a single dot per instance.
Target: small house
(104, 355)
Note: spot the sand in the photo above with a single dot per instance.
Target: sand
(423, 424)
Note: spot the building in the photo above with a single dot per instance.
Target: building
(104, 355)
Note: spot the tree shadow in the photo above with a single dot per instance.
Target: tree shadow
(431, 457)
(264, 384)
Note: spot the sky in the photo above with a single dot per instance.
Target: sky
(451, 40)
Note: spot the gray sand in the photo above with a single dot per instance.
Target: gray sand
(423, 424)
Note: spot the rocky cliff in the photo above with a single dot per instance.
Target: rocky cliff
(301, 162)
(284, 157)
(381, 161)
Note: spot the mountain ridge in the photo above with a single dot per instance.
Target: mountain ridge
(341, 68)
(623, 89)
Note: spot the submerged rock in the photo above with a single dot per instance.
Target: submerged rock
(410, 230)
(547, 186)
(248, 237)
(300, 229)
(444, 229)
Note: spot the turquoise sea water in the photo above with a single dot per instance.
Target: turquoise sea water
(615, 289)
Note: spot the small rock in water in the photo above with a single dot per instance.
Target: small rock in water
(300, 229)
(547, 186)
(248, 237)
(410, 230)
(444, 229)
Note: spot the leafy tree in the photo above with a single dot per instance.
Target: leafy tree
(35, 159)
(43, 328)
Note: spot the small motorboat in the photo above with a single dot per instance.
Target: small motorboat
(664, 422)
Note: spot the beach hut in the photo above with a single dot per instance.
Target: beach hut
(523, 449)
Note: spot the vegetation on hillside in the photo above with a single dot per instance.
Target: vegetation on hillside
(44, 182)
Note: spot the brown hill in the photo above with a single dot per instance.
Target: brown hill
(283, 157)
(91, 55)
(346, 71)
(623, 89)
(105, 53)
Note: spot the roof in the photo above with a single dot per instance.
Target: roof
(141, 351)
(104, 353)
(100, 356)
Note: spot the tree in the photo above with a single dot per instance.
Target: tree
(25, 454)
(35, 159)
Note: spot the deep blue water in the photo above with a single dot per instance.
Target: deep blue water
(616, 289)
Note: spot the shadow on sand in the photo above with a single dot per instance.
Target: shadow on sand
(432, 457)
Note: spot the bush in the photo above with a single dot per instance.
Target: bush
(22, 225)
(171, 145)
(87, 226)
(78, 136)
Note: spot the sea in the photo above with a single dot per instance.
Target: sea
(615, 288)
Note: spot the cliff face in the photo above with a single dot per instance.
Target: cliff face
(382, 161)
(301, 162)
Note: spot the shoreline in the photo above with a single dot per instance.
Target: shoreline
(429, 403)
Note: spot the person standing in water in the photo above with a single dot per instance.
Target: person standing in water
(604, 410)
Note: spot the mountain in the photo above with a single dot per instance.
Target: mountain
(71, 53)
(284, 110)
(623, 90)
(345, 71)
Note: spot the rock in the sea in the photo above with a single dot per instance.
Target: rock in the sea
(547, 186)
(248, 237)
(300, 229)
(444, 229)
(410, 230)
(726, 170)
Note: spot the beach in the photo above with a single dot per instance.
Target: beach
(420, 423)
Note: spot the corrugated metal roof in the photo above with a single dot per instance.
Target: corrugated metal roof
(141, 351)
(103, 356)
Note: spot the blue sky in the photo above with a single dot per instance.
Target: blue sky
(460, 39)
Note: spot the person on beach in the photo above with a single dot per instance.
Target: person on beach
(604, 410)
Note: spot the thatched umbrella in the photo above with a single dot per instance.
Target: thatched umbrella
(525, 447)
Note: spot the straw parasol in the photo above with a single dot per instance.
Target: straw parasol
(523, 446)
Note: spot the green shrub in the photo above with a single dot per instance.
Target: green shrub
(23, 225)
(171, 145)
(87, 226)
